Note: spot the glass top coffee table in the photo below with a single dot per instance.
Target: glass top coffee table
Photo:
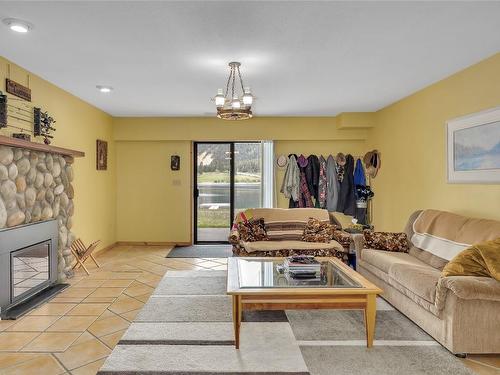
(261, 284)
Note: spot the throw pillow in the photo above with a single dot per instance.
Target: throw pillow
(317, 231)
(342, 238)
(482, 259)
(386, 241)
(252, 230)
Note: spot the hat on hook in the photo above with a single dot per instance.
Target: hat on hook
(282, 161)
(372, 163)
(340, 159)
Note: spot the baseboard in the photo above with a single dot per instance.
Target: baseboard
(106, 248)
(151, 243)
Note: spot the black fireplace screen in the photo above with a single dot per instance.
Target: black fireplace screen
(29, 269)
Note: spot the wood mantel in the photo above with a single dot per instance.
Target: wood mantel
(14, 142)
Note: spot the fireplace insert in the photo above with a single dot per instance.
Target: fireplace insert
(28, 264)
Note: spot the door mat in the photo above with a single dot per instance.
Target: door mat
(201, 251)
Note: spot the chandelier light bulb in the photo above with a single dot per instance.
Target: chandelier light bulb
(236, 104)
(219, 98)
(247, 97)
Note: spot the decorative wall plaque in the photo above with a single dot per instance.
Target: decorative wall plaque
(175, 162)
(18, 90)
(101, 155)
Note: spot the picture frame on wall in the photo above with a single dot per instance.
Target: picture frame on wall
(474, 148)
(101, 155)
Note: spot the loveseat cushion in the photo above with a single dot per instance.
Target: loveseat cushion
(383, 260)
(421, 280)
(289, 245)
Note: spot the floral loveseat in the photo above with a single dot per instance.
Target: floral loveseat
(285, 228)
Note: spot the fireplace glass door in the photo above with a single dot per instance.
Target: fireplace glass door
(29, 270)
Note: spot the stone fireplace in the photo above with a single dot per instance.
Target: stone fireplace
(36, 186)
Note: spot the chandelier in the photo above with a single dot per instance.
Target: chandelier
(234, 104)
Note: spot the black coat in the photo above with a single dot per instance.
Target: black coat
(312, 175)
(347, 197)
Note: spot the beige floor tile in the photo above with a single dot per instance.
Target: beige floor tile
(86, 283)
(42, 364)
(125, 275)
(209, 264)
(130, 316)
(94, 309)
(90, 369)
(57, 309)
(85, 336)
(107, 300)
(106, 314)
(149, 279)
(480, 369)
(66, 300)
(51, 342)
(120, 283)
(13, 341)
(489, 359)
(108, 325)
(76, 292)
(124, 304)
(72, 324)
(137, 288)
(143, 297)
(112, 339)
(33, 323)
(4, 324)
(11, 359)
(84, 353)
(220, 268)
(107, 292)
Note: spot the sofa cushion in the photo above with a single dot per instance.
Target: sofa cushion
(317, 231)
(289, 245)
(421, 280)
(383, 260)
(386, 241)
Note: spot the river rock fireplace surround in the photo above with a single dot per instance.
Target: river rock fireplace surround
(36, 217)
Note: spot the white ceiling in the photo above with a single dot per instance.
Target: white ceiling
(300, 58)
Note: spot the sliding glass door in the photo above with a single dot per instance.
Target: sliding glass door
(227, 179)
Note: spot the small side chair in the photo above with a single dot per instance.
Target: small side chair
(82, 253)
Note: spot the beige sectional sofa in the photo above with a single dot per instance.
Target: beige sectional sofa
(460, 312)
(284, 228)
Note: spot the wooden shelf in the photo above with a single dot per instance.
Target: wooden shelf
(14, 142)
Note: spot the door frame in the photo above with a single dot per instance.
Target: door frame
(196, 192)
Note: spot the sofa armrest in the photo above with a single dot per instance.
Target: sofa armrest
(467, 288)
(234, 237)
(358, 240)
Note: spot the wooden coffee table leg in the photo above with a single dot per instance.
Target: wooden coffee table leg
(237, 320)
(370, 316)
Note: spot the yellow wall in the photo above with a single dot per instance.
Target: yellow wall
(411, 136)
(78, 126)
(144, 146)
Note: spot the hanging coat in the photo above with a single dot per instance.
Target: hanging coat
(291, 181)
(333, 186)
(305, 199)
(322, 183)
(347, 199)
(359, 174)
(312, 175)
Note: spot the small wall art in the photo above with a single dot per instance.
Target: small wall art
(175, 162)
(101, 155)
(474, 148)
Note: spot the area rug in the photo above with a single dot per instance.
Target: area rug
(186, 328)
(201, 251)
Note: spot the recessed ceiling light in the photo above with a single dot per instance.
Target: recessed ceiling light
(104, 89)
(19, 26)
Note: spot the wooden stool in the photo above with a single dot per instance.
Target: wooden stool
(82, 253)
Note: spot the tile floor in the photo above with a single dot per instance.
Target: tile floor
(75, 332)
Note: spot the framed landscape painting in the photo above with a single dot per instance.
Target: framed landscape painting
(474, 148)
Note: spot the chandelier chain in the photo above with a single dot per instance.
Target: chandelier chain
(241, 81)
(234, 78)
(227, 85)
